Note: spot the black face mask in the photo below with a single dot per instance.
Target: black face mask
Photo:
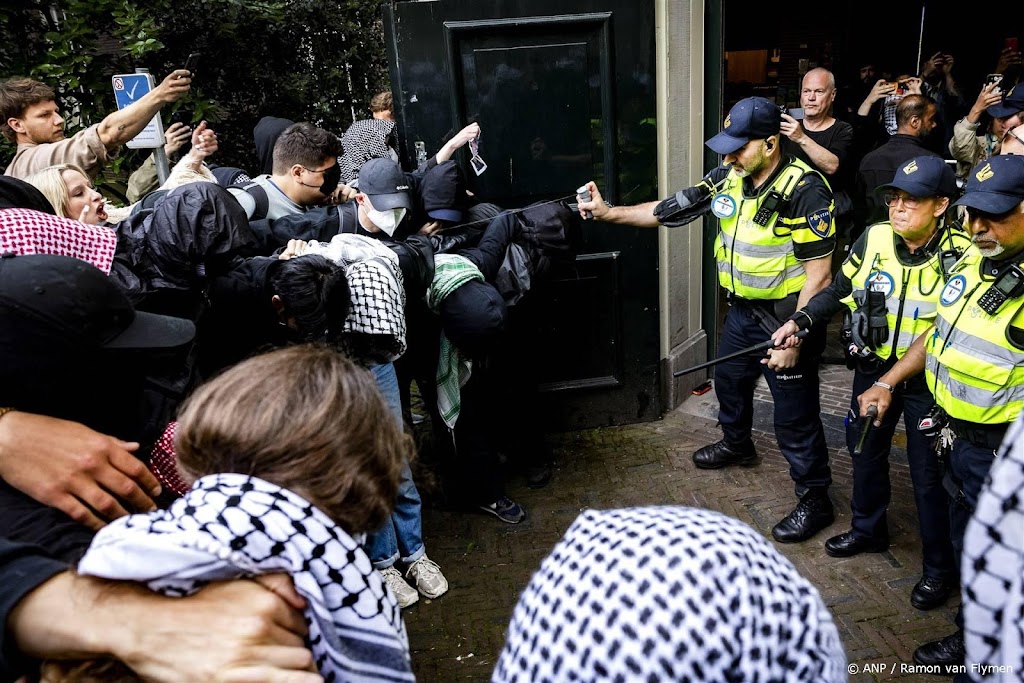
(331, 177)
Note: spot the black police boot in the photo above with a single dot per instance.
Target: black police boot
(722, 454)
(946, 652)
(812, 514)
(931, 592)
(848, 544)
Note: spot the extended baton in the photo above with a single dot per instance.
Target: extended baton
(869, 422)
(763, 346)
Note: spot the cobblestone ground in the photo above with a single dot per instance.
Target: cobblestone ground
(458, 637)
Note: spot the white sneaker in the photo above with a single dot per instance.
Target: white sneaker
(427, 577)
(404, 593)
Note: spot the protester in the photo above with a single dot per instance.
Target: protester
(293, 457)
(29, 117)
(668, 594)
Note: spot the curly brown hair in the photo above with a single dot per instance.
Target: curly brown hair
(307, 419)
(17, 95)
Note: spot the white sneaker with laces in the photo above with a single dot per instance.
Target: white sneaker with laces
(427, 577)
(404, 593)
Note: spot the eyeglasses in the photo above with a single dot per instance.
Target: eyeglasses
(892, 199)
(313, 170)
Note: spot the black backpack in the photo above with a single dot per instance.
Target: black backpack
(259, 194)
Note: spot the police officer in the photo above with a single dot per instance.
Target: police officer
(773, 251)
(974, 357)
(891, 282)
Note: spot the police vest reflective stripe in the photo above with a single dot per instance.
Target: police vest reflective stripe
(912, 292)
(972, 369)
(754, 261)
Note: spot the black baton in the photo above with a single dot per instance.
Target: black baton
(763, 346)
(869, 422)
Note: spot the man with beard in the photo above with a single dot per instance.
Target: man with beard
(891, 282)
(974, 357)
(774, 246)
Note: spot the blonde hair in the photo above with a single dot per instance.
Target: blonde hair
(307, 419)
(50, 182)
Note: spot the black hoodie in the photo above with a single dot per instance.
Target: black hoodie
(266, 133)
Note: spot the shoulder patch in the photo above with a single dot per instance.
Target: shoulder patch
(820, 222)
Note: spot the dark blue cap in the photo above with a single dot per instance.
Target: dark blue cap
(1013, 102)
(752, 118)
(927, 176)
(995, 185)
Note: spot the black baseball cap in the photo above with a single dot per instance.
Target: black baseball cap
(995, 185)
(925, 176)
(78, 302)
(752, 118)
(1012, 102)
(386, 185)
(444, 192)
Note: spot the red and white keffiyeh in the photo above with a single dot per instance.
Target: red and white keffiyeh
(25, 231)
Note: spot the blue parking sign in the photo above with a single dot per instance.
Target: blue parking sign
(129, 89)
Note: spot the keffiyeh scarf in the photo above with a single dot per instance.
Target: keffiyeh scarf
(993, 567)
(233, 525)
(669, 594)
(453, 369)
(366, 139)
(24, 231)
(375, 329)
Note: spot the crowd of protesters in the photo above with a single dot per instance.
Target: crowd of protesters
(214, 383)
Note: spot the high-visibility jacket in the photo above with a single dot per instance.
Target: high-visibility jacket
(974, 370)
(911, 291)
(758, 262)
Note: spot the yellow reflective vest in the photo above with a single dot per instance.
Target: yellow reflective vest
(911, 291)
(758, 262)
(974, 371)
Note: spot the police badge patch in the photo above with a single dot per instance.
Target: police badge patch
(820, 222)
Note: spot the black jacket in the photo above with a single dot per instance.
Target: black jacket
(879, 167)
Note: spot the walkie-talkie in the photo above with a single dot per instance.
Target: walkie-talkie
(1009, 285)
(772, 202)
(948, 259)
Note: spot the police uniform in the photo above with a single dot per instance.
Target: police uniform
(974, 363)
(763, 236)
(892, 294)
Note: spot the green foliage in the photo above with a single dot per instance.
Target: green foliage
(306, 60)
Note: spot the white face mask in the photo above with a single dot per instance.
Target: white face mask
(387, 221)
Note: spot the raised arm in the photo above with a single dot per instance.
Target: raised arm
(124, 124)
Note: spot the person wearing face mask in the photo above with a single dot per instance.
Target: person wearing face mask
(305, 174)
(383, 200)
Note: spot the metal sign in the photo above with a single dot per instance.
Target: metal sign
(129, 89)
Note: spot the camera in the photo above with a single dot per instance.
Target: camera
(901, 87)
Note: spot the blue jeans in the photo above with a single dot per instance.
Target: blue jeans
(402, 535)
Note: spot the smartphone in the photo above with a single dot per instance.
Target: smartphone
(1011, 44)
(994, 78)
(192, 62)
(797, 113)
(182, 116)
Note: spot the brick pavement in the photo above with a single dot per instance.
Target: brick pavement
(458, 637)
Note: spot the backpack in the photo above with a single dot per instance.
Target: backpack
(259, 194)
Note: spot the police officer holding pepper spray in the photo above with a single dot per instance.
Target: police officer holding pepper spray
(773, 252)
(891, 283)
(973, 357)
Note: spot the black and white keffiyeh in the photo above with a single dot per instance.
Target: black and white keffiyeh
(992, 568)
(233, 525)
(366, 139)
(375, 327)
(669, 594)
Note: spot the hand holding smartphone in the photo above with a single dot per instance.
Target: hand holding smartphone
(192, 62)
